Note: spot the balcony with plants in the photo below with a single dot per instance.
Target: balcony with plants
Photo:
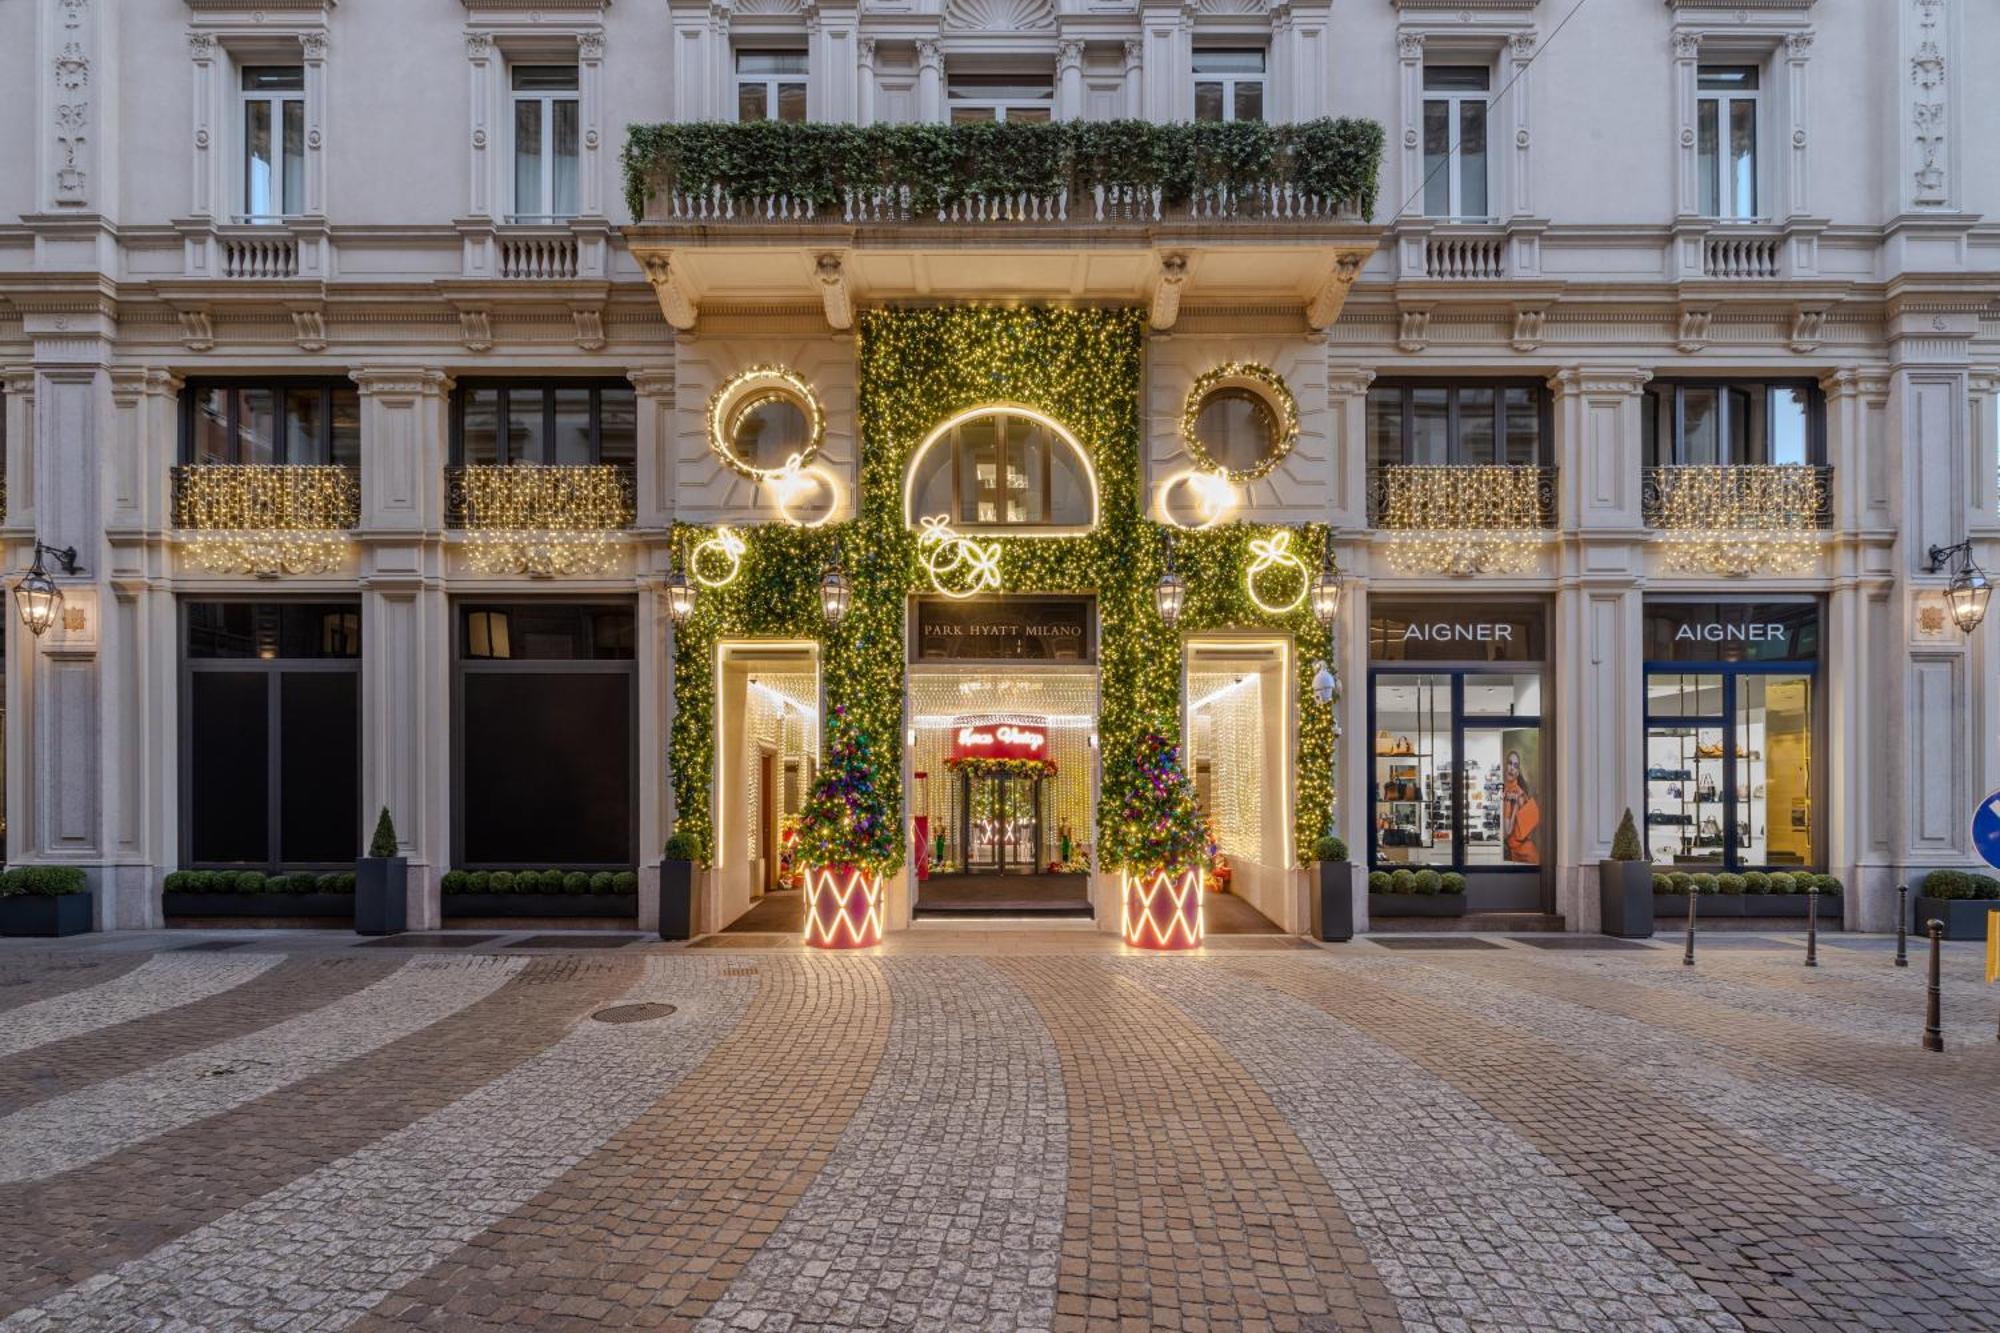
(266, 519)
(1223, 211)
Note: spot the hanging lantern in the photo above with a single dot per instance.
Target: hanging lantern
(37, 596)
(1969, 591)
(834, 596)
(1168, 595)
(680, 597)
(1325, 593)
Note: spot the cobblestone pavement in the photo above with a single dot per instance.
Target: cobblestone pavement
(986, 1130)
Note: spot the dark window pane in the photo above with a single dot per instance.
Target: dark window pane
(1456, 78)
(770, 62)
(1743, 159)
(1475, 426)
(257, 426)
(295, 157)
(528, 158)
(274, 78)
(546, 632)
(1656, 428)
(1249, 101)
(211, 428)
(1430, 438)
(479, 426)
(1385, 428)
(1208, 101)
(1699, 429)
(1728, 78)
(544, 78)
(221, 629)
(1746, 428)
(1708, 156)
(524, 426)
(1472, 159)
(618, 428)
(1524, 427)
(319, 766)
(546, 769)
(563, 160)
(1237, 61)
(1437, 159)
(791, 101)
(228, 735)
(345, 448)
(572, 442)
(303, 425)
(259, 178)
(752, 100)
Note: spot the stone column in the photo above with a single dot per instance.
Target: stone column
(864, 113)
(1596, 641)
(406, 632)
(1069, 79)
(930, 81)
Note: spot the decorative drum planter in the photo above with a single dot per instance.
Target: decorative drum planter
(844, 907)
(1163, 908)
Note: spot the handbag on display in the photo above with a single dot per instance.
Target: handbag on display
(1712, 750)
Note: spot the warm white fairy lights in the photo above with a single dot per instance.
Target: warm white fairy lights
(1462, 519)
(716, 561)
(743, 393)
(1267, 387)
(266, 519)
(1211, 497)
(1275, 579)
(1737, 520)
(959, 566)
(541, 520)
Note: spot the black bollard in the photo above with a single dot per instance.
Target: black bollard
(1687, 959)
(1902, 925)
(1933, 1019)
(1812, 927)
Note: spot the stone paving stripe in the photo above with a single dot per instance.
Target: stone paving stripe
(163, 982)
(318, 1253)
(1780, 1247)
(72, 1131)
(87, 1222)
(294, 987)
(1468, 1225)
(28, 979)
(653, 1227)
(943, 1204)
(1878, 1151)
(1191, 1202)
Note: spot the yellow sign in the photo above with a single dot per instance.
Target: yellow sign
(1992, 947)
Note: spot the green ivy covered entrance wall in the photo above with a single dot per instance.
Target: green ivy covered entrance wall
(918, 368)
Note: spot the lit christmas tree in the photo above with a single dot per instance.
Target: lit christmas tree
(1161, 845)
(846, 842)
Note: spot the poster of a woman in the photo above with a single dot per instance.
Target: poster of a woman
(1520, 810)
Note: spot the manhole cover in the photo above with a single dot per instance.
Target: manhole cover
(632, 1013)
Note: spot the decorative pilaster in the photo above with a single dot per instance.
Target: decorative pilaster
(1597, 431)
(590, 110)
(1929, 117)
(1687, 70)
(312, 53)
(1798, 136)
(1410, 101)
(1520, 179)
(72, 98)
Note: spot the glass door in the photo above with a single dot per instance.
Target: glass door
(1729, 769)
(1003, 824)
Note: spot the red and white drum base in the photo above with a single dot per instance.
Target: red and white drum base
(845, 907)
(1162, 908)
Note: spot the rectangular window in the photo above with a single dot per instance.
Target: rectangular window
(1733, 423)
(547, 116)
(546, 755)
(770, 85)
(1229, 84)
(1454, 140)
(1439, 424)
(1726, 140)
(271, 421)
(274, 142)
(1016, 97)
(272, 764)
(544, 421)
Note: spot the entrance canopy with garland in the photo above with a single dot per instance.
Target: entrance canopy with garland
(920, 368)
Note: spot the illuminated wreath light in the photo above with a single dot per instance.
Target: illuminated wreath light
(1162, 908)
(1275, 553)
(1213, 494)
(959, 566)
(717, 561)
(845, 907)
(1262, 383)
(741, 392)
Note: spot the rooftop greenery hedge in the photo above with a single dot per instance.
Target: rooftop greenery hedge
(1337, 159)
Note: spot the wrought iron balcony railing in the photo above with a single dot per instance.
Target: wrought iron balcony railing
(1462, 518)
(1740, 519)
(266, 519)
(541, 520)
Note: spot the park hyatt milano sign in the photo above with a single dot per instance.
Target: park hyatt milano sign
(1003, 629)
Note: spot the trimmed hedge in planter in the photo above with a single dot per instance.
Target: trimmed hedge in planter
(1960, 900)
(1415, 893)
(1752, 894)
(251, 893)
(45, 902)
(942, 164)
(552, 893)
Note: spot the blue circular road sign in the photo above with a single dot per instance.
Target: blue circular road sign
(1986, 830)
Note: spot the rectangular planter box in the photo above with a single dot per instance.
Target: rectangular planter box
(1964, 918)
(1414, 904)
(1674, 907)
(1625, 899)
(47, 916)
(1789, 904)
(1333, 902)
(676, 900)
(336, 905)
(595, 905)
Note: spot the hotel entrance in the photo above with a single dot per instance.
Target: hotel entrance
(1002, 751)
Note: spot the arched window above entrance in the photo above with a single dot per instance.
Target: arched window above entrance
(1003, 469)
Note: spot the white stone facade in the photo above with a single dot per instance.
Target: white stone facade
(1870, 266)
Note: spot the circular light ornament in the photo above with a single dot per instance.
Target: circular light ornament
(1274, 567)
(717, 561)
(959, 566)
(1209, 498)
(1239, 421)
(766, 423)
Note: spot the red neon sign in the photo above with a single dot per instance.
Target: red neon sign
(1000, 740)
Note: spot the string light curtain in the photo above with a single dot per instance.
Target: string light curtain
(1229, 741)
(541, 519)
(266, 518)
(1738, 520)
(1463, 519)
(780, 715)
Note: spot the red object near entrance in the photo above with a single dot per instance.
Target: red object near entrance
(1000, 740)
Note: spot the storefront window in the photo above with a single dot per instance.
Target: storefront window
(1730, 707)
(1459, 774)
(1733, 424)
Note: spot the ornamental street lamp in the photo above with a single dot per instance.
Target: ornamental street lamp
(834, 596)
(1326, 590)
(1170, 592)
(680, 596)
(1969, 591)
(39, 599)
